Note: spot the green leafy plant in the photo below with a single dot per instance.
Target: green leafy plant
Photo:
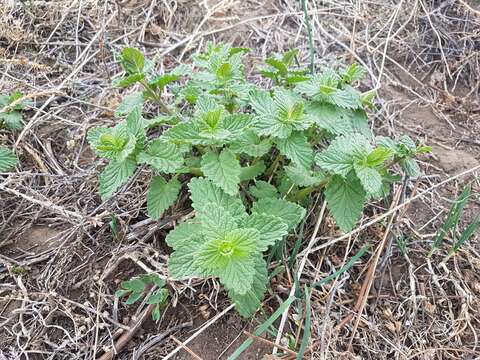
(11, 111)
(250, 157)
(136, 288)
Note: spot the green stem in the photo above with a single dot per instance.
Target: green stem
(310, 37)
(274, 165)
(157, 97)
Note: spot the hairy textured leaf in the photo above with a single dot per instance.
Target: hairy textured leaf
(161, 195)
(230, 258)
(370, 178)
(297, 149)
(331, 118)
(290, 213)
(262, 189)
(224, 170)
(251, 144)
(216, 222)
(203, 192)
(345, 200)
(12, 120)
(114, 175)
(342, 153)
(7, 159)
(270, 227)
(303, 177)
(252, 171)
(164, 157)
(249, 302)
(182, 262)
(129, 103)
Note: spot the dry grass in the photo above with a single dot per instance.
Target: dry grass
(56, 289)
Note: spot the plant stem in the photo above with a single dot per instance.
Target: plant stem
(310, 37)
(157, 97)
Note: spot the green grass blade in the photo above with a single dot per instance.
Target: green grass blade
(262, 328)
(452, 219)
(346, 267)
(467, 234)
(308, 322)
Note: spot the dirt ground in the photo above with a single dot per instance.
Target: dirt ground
(60, 264)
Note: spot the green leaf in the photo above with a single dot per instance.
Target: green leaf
(183, 234)
(135, 125)
(353, 73)
(114, 143)
(347, 98)
(7, 159)
(249, 302)
(252, 171)
(133, 298)
(129, 80)
(130, 102)
(345, 199)
(270, 227)
(290, 213)
(161, 81)
(158, 297)
(370, 178)
(114, 175)
(230, 258)
(378, 157)
(262, 189)
(296, 148)
(411, 167)
(343, 152)
(280, 115)
(134, 285)
(215, 221)
(132, 60)
(161, 195)
(164, 157)
(182, 262)
(303, 177)
(251, 144)
(224, 170)
(12, 120)
(330, 117)
(203, 192)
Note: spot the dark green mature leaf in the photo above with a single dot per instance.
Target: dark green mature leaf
(11, 120)
(270, 227)
(262, 189)
(252, 171)
(249, 302)
(164, 157)
(290, 213)
(7, 159)
(161, 195)
(345, 200)
(342, 153)
(203, 192)
(114, 175)
(223, 169)
(296, 148)
(132, 60)
(251, 144)
(130, 102)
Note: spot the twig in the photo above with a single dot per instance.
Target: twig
(127, 336)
